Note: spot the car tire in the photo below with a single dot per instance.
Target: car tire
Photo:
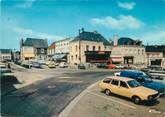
(107, 92)
(136, 99)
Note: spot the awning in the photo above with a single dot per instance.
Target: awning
(116, 59)
(59, 56)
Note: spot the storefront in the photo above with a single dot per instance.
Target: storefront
(97, 56)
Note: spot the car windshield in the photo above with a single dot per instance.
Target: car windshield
(133, 83)
(146, 78)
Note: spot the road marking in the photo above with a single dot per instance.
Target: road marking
(69, 81)
(116, 101)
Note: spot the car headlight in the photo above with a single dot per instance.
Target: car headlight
(150, 97)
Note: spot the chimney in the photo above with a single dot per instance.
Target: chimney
(82, 29)
(115, 40)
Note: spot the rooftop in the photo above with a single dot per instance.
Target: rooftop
(37, 43)
(5, 51)
(91, 36)
(128, 41)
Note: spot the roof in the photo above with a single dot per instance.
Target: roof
(52, 46)
(91, 36)
(37, 43)
(120, 78)
(128, 41)
(155, 48)
(5, 51)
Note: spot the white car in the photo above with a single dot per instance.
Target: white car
(117, 74)
(63, 65)
(119, 66)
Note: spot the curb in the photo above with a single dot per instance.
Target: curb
(71, 105)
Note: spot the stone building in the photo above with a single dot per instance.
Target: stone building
(155, 55)
(33, 48)
(5, 54)
(128, 51)
(51, 50)
(89, 47)
(62, 50)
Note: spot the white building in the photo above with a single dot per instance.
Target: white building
(128, 51)
(5, 54)
(62, 50)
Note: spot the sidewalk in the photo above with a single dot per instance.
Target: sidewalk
(92, 103)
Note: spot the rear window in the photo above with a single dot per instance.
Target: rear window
(115, 82)
(123, 84)
(107, 80)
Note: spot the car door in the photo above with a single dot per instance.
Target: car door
(114, 86)
(124, 89)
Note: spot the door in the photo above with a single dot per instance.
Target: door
(124, 89)
(114, 86)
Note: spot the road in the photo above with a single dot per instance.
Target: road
(49, 96)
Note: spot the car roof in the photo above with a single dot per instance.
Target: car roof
(120, 78)
(133, 71)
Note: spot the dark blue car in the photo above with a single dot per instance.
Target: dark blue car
(144, 80)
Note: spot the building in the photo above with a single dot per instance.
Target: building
(155, 55)
(5, 55)
(62, 50)
(89, 47)
(51, 50)
(128, 51)
(16, 56)
(33, 48)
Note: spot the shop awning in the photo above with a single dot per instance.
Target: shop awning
(59, 56)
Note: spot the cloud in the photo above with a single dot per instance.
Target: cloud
(29, 32)
(154, 37)
(26, 4)
(120, 23)
(126, 5)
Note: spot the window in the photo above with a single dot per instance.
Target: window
(72, 58)
(76, 56)
(142, 52)
(87, 47)
(115, 82)
(76, 48)
(123, 84)
(42, 50)
(107, 80)
(99, 48)
(138, 51)
(93, 48)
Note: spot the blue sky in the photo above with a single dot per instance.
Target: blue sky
(58, 19)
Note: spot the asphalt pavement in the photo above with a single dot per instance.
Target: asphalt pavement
(49, 96)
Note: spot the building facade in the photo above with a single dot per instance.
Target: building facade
(155, 55)
(128, 51)
(5, 54)
(88, 47)
(51, 50)
(62, 50)
(33, 48)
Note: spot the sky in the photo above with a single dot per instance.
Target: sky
(59, 19)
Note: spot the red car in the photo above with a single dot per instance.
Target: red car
(111, 66)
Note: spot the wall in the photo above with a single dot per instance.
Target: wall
(75, 52)
(138, 52)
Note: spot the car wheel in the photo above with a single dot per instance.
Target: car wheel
(107, 92)
(136, 100)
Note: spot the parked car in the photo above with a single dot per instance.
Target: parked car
(81, 66)
(119, 66)
(36, 65)
(51, 65)
(63, 65)
(128, 88)
(144, 80)
(4, 69)
(26, 64)
(101, 65)
(111, 66)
